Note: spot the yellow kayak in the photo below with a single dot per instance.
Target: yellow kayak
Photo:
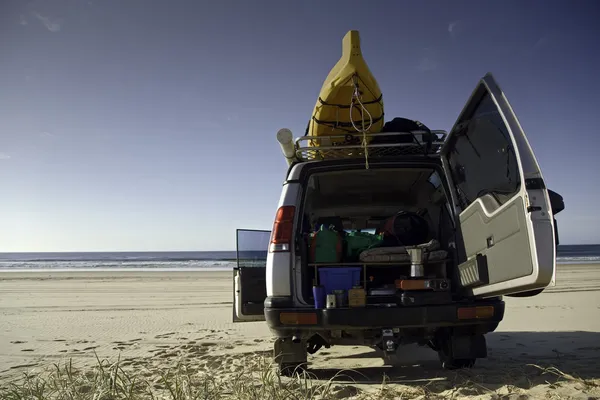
(349, 86)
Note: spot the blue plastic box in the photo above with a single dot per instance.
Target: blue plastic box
(339, 278)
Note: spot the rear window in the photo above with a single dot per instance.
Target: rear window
(360, 199)
(482, 159)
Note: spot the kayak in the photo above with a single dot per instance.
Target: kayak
(350, 103)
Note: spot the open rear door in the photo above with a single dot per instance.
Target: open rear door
(249, 275)
(497, 187)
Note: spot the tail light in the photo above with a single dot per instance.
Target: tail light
(283, 230)
(298, 318)
(475, 312)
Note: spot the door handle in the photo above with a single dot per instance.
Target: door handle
(490, 241)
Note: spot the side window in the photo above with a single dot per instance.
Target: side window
(252, 247)
(482, 159)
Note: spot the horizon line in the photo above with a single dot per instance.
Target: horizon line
(192, 251)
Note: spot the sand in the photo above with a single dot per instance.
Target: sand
(158, 318)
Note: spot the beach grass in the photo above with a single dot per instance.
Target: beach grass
(111, 381)
(107, 380)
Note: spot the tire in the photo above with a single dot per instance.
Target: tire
(451, 364)
(290, 357)
(291, 369)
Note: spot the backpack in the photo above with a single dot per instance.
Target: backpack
(399, 124)
(404, 229)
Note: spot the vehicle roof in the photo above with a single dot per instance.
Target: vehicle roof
(300, 171)
(348, 151)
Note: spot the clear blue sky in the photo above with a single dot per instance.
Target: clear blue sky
(150, 125)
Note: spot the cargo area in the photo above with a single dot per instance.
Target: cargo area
(379, 237)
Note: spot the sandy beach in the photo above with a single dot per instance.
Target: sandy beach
(156, 319)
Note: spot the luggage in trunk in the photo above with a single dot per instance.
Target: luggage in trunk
(405, 229)
(326, 246)
(357, 242)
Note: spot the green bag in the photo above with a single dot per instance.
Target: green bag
(357, 242)
(326, 246)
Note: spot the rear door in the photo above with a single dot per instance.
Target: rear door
(249, 275)
(500, 196)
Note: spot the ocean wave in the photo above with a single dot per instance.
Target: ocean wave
(131, 260)
(116, 265)
(141, 262)
(578, 259)
(142, 257)
(117, 259)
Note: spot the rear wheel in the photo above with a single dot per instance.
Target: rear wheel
(459, 352)
(450, 363)
(290, 356)
(291, 369)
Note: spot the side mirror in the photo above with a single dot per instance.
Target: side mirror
(556, 202)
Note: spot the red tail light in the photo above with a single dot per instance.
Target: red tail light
(475, 312)
(283, 229)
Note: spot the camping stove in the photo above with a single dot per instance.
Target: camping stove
(416, 262)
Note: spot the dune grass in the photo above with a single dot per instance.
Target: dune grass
(111, 381)
(107, 380)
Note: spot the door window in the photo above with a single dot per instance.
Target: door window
(482, 159)
(252, 248)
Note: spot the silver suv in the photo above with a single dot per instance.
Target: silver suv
(491, 225)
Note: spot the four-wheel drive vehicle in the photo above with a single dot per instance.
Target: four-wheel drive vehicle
(490, 232)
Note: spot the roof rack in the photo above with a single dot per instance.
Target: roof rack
(313, 148)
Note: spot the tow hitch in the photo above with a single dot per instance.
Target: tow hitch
(389, 341)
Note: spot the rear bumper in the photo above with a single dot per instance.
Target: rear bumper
(430, 316)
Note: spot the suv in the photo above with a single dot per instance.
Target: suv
(489, 214)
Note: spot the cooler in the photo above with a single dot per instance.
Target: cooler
(340, 278)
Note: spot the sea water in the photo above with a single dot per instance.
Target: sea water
(123, 261)
(193, 260)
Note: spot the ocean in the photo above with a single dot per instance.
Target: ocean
(192, 260)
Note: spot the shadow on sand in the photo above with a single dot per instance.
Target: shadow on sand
(520, 359)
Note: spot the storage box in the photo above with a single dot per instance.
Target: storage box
(340, 278)
(357, 297)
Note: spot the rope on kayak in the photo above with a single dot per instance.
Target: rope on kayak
(343, 126)
(323, 102)
(362, 109)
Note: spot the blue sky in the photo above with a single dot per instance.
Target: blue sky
(150, 125)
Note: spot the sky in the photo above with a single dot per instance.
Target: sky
(150, 125)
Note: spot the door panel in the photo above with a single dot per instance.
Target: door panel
(503, 230)
(505, 217)
(249, 275)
